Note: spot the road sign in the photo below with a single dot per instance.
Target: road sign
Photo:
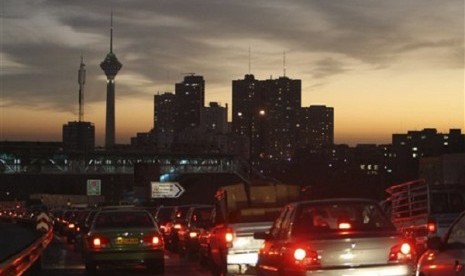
(94, 187)
(166, 189)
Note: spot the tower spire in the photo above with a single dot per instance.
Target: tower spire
(250, 62)
(81, 81)
(111, 31)
(284, 63)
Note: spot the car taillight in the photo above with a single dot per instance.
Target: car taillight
(193, 235)
(305, 257)
(99, 242)
(71, 225)
(154, 240)
(344, 225)
(229, 237)
(432, 226)
(401, 252)
(177, 226)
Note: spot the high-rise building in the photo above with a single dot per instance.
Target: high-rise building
(266, 113)
(190, 98)
(215, 118)
(316, 127)
(282, 98)
(79, 136)
(164, 119)
(110, 65)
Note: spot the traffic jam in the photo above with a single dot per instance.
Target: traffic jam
(267, 230)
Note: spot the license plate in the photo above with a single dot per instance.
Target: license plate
(127, 241)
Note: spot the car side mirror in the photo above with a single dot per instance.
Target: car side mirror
(434, 243)
(262, 236)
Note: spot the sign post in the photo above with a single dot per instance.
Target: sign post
(166, 189)
(94, 187)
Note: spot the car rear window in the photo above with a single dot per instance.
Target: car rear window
(254, 215)
(354, 215)
(125, 219)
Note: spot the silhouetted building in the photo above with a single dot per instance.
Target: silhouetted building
(190, 98)
(79, 136)
(164, 120)
(410, 147)
(266, 112)
(315, 126)
(110, 65)
(215, 118)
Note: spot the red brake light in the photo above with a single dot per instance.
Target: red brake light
(153, 240)
(71, 225)
(401, 252)
(344, 225)
(431, 226)
(193, 235)
(299, 254)
(99, 242)
(229, 237)
(305, 257)
(177, 226)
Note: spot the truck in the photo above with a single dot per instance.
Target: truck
(420, 209)
(240, 210)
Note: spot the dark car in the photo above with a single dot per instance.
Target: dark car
(445, 256)
(177, 223)
(334, 237)
(123, 236)
(198, 219)
(75, 223)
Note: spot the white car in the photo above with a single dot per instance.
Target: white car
(334, 237)
(445, 256)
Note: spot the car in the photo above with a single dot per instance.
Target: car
(334, 237)
(75, 223)
(198, 219)
(164, 216)
(445, 256)
(84, 229)
(177, 223)
(123, 236)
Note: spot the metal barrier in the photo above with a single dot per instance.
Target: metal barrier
(24, 260)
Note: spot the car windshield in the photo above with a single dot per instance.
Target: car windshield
(123, 219)
(356, 216)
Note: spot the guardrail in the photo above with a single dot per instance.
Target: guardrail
(28, 258)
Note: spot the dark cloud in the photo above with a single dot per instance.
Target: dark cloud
(154, 39)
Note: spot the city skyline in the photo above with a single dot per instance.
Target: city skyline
(384, 67)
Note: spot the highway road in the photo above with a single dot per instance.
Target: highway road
(60, 259)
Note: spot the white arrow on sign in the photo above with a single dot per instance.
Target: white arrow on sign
(166, 189)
